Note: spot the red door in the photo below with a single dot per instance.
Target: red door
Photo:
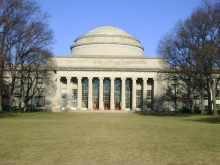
(106, 106)
(117, 106)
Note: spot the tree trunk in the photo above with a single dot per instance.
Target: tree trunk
(11, 104)
(214, 97)
(191, 100)
(1, 108)
(202, 101)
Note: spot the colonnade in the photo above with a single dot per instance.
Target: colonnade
(112, 91)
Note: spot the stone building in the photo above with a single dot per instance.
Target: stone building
(105, 71)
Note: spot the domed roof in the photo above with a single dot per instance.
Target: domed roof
(106, 31)
(106, 40)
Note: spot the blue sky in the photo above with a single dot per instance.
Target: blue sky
(147, 20)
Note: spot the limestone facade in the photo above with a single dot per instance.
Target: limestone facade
(106, 71)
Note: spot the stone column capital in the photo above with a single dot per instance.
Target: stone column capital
(90, 78)
(145, 78)
(112, 78)
(123, 78)
(101, 78)
(79, 78)
(134, 78)
(68, 77)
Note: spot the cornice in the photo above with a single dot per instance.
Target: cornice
(95, 43)
(110, 57)
(108, 69)
(106, 35)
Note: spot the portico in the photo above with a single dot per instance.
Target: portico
(104, 93)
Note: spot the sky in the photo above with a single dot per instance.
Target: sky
(147, 20)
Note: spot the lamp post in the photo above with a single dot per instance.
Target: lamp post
(174, 83)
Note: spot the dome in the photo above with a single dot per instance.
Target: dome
(107, 40)
(106, 31)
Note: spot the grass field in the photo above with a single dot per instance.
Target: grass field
(108, 138)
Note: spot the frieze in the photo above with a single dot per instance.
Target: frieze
(103, 62)
(119, 62)
(108, 74)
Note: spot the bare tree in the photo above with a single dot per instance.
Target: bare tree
(25, 40)
(192, 50)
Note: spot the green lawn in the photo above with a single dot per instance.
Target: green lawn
(108, 138)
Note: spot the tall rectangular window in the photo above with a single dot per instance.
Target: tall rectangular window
(64, 97)
(95, 91)
(138, 98)
(106, 91)
(74, 98)
(117, 91)
(40, 101)
(85, 93)
(128, 93)
(149, 98)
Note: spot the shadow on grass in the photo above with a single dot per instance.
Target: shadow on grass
(208, 119)
(195, 117)
(165, 114)
(7, 115)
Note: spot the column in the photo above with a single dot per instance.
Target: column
(112, 104)
(90, 94)
(155, 88)
(155, 93)
(69, 92)
(79, 93)
(144, 94)
(123, 93)
(101, 93)
(134, 93)
(58, 91)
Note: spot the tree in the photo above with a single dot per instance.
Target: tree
(25, 40)
(192, 50)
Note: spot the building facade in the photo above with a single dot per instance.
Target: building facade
(105, 71)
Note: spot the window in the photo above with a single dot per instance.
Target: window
(16, 101)
(27, 80)
(205, 95)
(106, 91)
(138, 82)
(39, 80)
(63, 81)
(174, 81)
(40, 101)
(138, 99)
(85, 93)
(117, 91)
(75, 81)
(17, 91)
(149, 98)
(18, 81)
(39, 92)
(6, 80)
(128, 93)
(74, 98)
(64, 97)
(95, 90)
